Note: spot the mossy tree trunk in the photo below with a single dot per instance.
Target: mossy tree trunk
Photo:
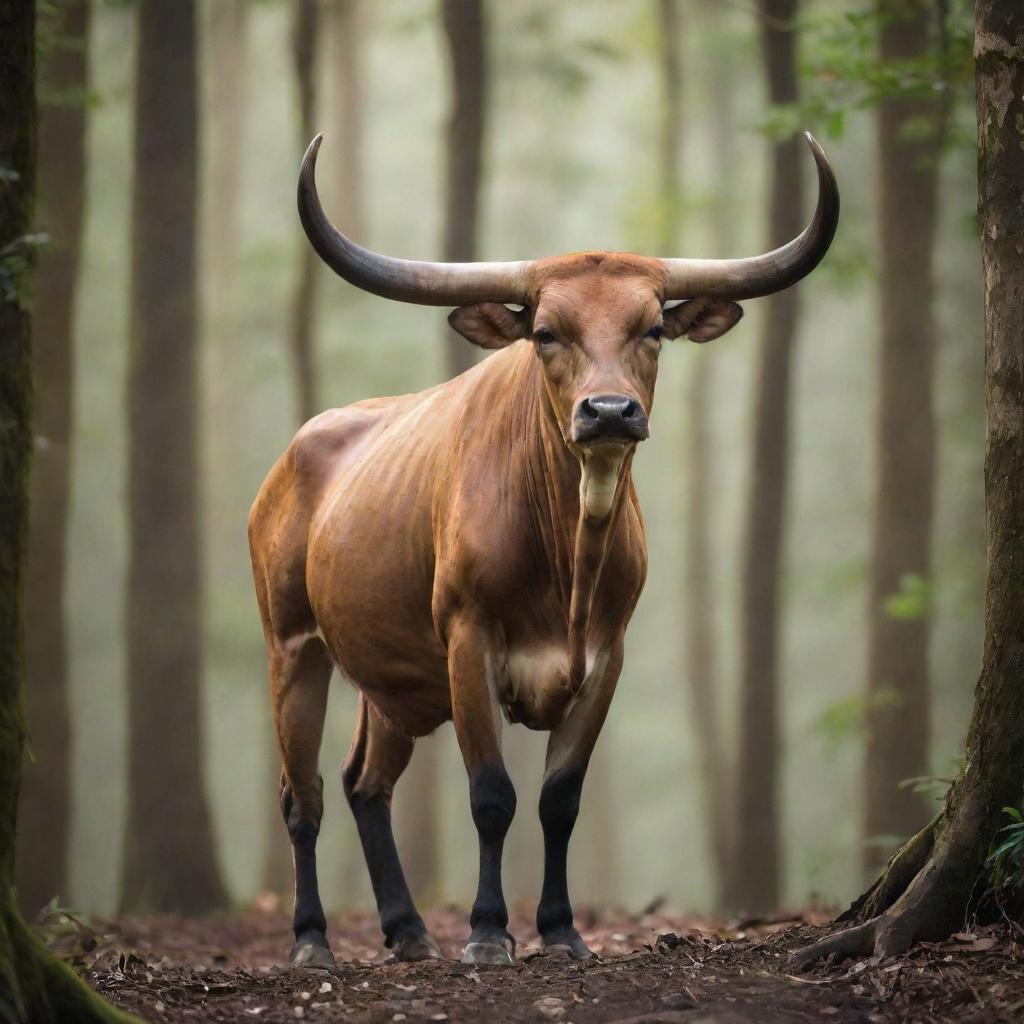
(170, 862)
(754, 881)
(897, 694)
(932, 884)
(35, 987)
(45, 817)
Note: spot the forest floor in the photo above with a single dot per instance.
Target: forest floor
(649, 968)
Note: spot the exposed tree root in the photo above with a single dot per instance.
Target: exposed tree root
(924, 892)
(898, 874)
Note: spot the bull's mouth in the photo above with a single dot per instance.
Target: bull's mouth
(601, 461)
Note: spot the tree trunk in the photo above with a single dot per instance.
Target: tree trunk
(44, 822)
(227, 55)
(698, 621)
(170, 864)
(34, 985)
(466, 34)
(303, 313)
(755, 878)
(417, 811)
(926, 891)
(347, 29)
(897, 697)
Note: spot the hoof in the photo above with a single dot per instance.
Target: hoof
(487, 953)
(569, 944)
(311, 953)
(416, 947)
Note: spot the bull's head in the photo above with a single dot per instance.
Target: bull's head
(597, 320)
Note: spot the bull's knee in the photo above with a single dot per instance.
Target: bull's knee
(492, 799)
(303, 813)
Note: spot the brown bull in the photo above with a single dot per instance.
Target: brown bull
(477, 549)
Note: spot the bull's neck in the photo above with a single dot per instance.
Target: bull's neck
(584, 492)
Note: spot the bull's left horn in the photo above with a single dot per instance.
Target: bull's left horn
(763, 275)
(430, 284)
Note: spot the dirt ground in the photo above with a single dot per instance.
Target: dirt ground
(650, 968)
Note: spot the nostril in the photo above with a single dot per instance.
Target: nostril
(587, 411)
(630, 409)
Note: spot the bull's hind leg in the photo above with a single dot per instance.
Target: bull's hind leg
(300, 671)
(378, 757)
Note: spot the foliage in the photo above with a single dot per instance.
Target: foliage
(843, 71)
(848, 718)
(16, 259)
(1005, 863)
(913, 600)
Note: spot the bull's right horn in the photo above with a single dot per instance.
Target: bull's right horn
(430, 284)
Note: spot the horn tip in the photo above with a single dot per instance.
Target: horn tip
(314, 147)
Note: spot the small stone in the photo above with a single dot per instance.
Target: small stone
(552, 1007)
(298, 1010)
(677, 1001)
(304, 995)
(324, 988)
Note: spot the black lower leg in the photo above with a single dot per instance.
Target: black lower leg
(399, 919)
(559, 806)
(309, 922)
(493, 802)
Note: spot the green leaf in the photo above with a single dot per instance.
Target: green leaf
(912, 601)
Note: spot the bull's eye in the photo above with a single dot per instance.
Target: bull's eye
(655, 332)
(544, 337)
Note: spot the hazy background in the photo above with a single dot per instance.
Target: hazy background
(570, 163)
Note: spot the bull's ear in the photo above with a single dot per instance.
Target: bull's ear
(490, 324)
(702, 319)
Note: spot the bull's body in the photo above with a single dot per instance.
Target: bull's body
(477, 548)
(401, 515)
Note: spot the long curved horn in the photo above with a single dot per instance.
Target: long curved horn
(430, 284)
(774, 271)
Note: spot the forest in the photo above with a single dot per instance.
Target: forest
(806, 799)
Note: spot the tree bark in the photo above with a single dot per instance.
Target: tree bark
(897, 694)
(44, 822)
(35, 986)
(465, 28)
(303, 312)
(755, 877)
(698, 622)
(931, 884)
(346, 33)
(170, 863)
(227, 54)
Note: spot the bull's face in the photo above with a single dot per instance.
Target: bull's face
(597, 323)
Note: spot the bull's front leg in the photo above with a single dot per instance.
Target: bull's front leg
(491, 795)
(569, 750)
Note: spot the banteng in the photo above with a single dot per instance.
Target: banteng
(477, 549)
